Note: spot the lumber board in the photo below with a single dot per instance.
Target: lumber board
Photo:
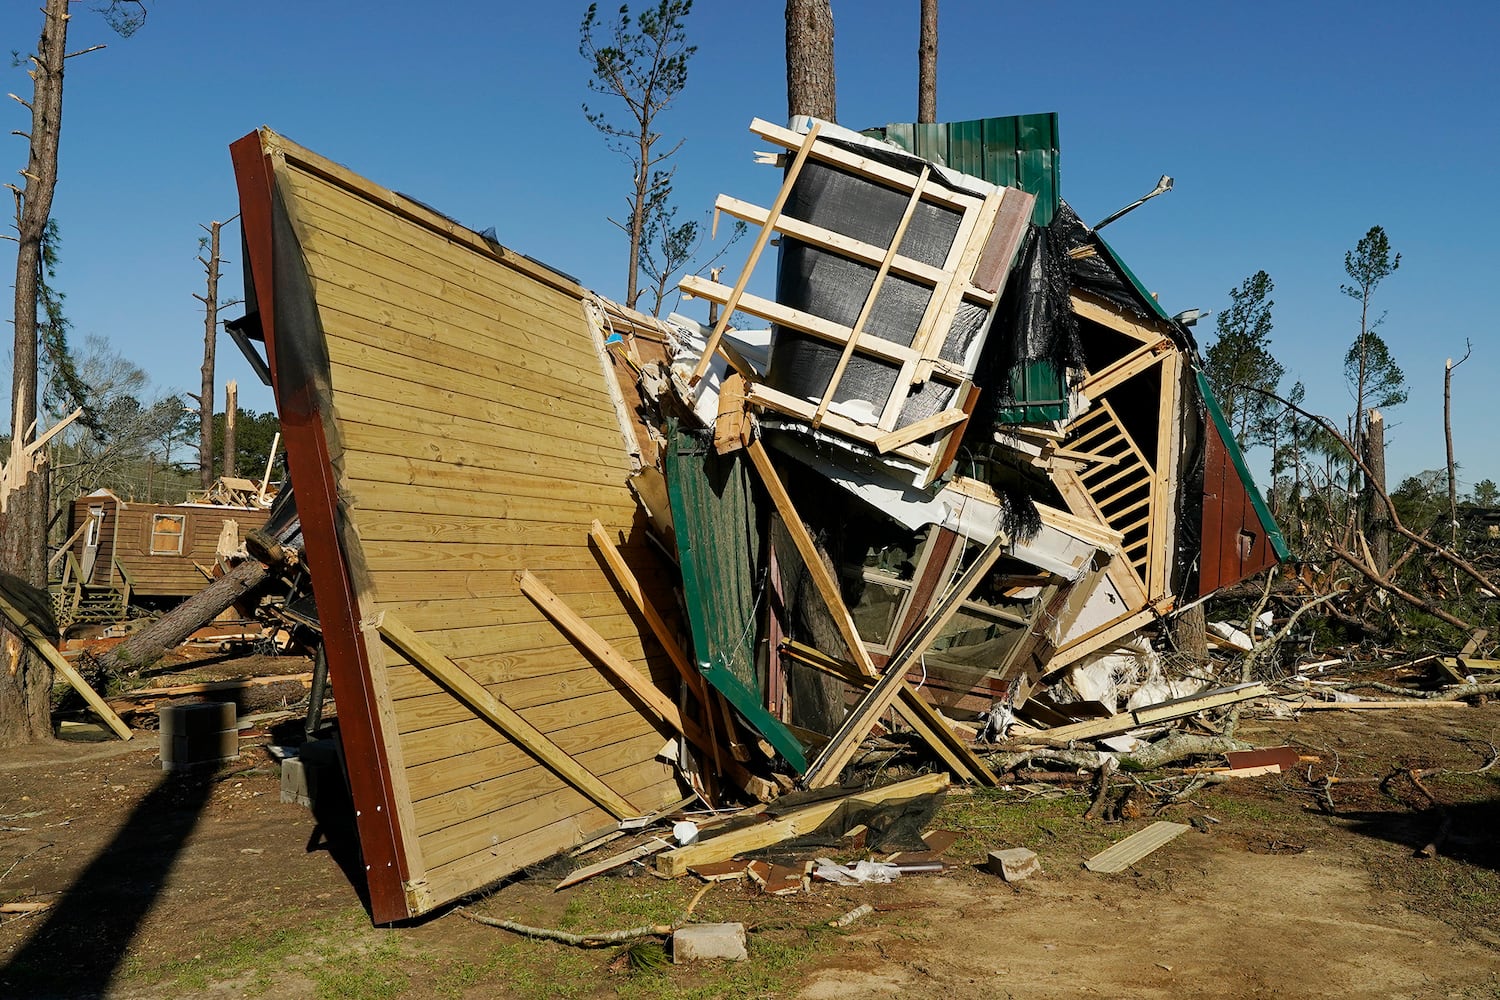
(494, 793)
(1135, 847)
(762, 239)
(1368, 706)
(337, 224)
(1099, 311)
(862, 166)
(607, 656)
(490, 755)
(925, 427)
(536, 809)
(49, 652)
(793, 824)
(1148, 714)
(489, 707)
(653, 846)
(828, 239)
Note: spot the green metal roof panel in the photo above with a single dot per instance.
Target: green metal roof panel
(1018, 151)
(1135, 282)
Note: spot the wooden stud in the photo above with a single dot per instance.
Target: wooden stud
(856, 332)
(491, 709)
(752, 838)
(733, 301)
(627, 582)
(925, 427)
(857, 723)
(49, 652)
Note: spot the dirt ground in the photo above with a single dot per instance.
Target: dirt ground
(209, 885)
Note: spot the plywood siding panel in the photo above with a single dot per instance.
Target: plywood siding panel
(473, 434)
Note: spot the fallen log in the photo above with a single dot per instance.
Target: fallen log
(148, 645)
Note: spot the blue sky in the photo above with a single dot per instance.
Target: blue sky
(1290, 128)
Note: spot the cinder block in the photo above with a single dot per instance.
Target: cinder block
(191, 720)
(1014, 864)
(294, 783)
(702, 942)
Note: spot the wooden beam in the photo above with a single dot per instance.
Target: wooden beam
(857, 724)
(1146, 715)
(501, 716)
(912, 706)
(1106, 314)
(856, 331)
(49, 652)
(941, 420)
(759, 247)
(694, 680)
(752, 838)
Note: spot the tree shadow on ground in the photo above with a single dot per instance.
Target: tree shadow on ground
(1467, 830)
(79, 947)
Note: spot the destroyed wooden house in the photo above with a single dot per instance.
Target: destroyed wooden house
(572, 562)
(122, 552)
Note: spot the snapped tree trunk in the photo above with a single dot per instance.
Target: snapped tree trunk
(1189, 634)
(231, 415)
(809, 60)
(147, 646)
(25, 678)
(927, 63)
(207, 387)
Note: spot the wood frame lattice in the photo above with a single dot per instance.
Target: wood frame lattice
(991, 223)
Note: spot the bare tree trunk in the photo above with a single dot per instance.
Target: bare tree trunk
(1448, 438)
(25, 678)
(207, 386)
(231, 417)
(1377, 520)
(927, 63)
(1189, 633)
(809, 60)
(147, 646)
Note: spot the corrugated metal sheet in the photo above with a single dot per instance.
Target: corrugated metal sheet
(1018, 151)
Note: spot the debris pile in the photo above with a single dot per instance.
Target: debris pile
(566, 555)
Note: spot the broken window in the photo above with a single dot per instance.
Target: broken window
(166, 534)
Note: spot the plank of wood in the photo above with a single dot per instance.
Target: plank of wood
(494, 711)
(1135, 847)
(49, 653)
(208, 686)
(625, 577)
(653, 846)
(762, 239)
(1368, 706)
(1148, 714)
(727, 845)
(1470, 662)
(941, 420)
(858, 723)
(911, 705)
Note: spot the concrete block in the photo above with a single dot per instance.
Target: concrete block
(702, 942)
(294, 783)
(1014, 864)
